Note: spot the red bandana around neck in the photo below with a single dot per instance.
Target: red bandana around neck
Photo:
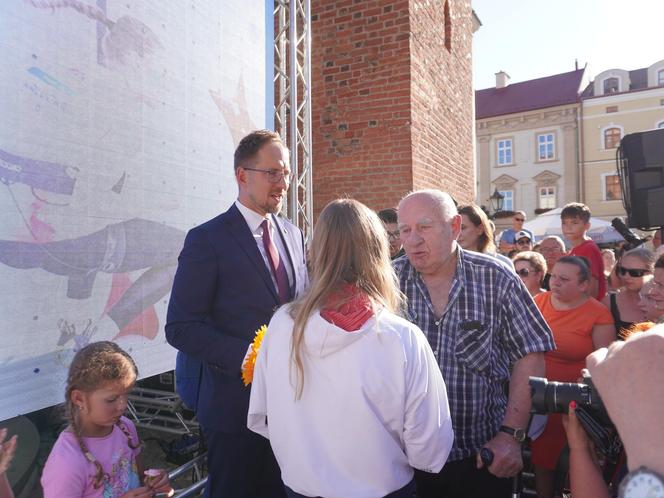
(351, 315)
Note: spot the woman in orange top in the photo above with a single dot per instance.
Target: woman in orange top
(580, 325)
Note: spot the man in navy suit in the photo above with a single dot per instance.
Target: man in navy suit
(233, 272)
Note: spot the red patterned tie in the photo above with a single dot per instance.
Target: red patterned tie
(276, 264)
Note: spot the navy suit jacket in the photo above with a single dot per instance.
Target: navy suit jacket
(222, 293)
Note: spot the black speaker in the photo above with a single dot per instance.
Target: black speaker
(641, 168)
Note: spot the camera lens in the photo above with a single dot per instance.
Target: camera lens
(555, 397)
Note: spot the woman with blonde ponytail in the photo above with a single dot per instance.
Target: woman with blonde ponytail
(353, 394)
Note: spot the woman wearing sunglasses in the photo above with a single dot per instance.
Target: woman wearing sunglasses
(580, 325)
(634, 269)
(531, 268)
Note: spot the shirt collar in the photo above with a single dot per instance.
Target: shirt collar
(252, 218)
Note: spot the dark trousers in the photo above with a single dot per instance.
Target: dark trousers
(241, 466)
(462, 479)
(408, 491)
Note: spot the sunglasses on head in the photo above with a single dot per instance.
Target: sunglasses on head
(523, 272)
(633, 272)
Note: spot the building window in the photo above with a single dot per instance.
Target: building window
(612, 190)
(504, 152)
(660, 77)
(611, 138)
(612, 108)
(545, 147)
(547, 197)
(611, 85)
(508, 200)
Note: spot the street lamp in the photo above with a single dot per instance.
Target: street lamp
(496, 201)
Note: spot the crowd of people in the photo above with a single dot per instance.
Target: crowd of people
(397, 356)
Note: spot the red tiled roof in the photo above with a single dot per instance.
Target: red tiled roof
(550, 91)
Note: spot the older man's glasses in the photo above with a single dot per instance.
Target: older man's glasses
(274, 175)
(633, 272)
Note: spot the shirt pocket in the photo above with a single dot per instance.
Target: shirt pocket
(473, 346)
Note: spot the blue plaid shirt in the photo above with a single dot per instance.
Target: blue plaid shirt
(489, 323)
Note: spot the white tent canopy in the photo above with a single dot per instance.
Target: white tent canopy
(549, 224)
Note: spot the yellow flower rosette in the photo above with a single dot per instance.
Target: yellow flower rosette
(250, 360)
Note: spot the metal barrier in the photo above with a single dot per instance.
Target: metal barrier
(198, 485)
(159, 410)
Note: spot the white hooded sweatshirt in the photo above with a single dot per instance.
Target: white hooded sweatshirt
(374, 406)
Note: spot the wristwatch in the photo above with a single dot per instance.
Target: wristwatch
(519, 435)
(642, 483)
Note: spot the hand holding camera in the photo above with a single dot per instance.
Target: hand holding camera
(630, 376)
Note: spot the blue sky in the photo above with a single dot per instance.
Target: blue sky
(534, 38)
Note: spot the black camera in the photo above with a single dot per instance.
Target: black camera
(555, 397)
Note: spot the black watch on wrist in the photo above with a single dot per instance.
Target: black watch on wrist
(519, 435)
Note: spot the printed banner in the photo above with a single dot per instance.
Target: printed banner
(119, 121)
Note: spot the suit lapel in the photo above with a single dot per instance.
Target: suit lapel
(239, 230)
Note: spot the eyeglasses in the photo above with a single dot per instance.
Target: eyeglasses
(393, 235)
(523, 242)
(273, 175)
(519, 219)
(523, 272)
(633, 272)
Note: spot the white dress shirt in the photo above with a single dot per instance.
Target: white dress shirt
(254, 221)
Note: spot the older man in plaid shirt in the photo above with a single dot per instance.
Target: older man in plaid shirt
(482, 324)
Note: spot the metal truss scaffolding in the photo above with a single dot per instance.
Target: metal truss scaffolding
(292, 86)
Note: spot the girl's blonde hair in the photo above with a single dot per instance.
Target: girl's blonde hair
(92, 366)
(349, 246)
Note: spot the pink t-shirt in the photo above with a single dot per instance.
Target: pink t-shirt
(68, 474)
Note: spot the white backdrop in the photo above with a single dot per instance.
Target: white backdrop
(118, 121)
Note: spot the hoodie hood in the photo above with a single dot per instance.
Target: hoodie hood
(323, 338)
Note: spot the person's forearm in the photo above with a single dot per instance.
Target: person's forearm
(585, 477)
(518, 403)
(5, 488)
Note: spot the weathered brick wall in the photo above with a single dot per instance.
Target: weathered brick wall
(442, 98)
(365, 111)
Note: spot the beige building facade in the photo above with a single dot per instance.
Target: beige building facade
(615, 104)
(527, 141)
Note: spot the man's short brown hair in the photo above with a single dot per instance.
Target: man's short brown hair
(251, 144)
(388, 215)
(576, 210)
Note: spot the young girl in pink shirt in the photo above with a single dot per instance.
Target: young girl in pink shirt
(97, 455)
